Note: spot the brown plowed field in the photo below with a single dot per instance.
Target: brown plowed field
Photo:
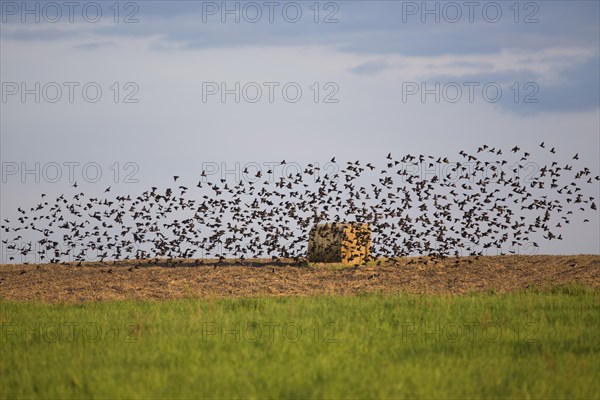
(137, 280)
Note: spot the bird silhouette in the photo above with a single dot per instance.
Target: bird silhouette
(414, 204)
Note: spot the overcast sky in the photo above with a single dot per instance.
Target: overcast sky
(316, 80)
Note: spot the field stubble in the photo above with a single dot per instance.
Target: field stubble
(162, 279)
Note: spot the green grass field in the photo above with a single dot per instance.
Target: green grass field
(534, 344)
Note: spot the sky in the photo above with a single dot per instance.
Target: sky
(128, 94)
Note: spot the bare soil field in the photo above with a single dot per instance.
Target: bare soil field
(162, 279)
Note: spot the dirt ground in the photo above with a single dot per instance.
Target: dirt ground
(152, 279)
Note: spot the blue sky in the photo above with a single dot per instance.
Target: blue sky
(366, 53)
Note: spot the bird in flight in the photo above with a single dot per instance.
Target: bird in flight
(417, 204)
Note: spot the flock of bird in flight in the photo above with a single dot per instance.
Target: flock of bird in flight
(415, 205)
